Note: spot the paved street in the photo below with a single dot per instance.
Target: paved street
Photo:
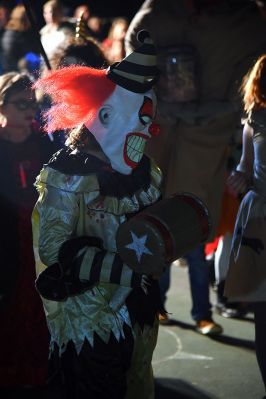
(188, 365)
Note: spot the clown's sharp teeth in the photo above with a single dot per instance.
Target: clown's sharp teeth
(135, 147)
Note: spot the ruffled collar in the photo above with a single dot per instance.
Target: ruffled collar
(111, 182)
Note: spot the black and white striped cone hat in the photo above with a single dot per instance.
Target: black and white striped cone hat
(138, 71)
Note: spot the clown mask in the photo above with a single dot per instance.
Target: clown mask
(123, 125)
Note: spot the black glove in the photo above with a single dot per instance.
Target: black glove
(53, 285)
(61, 280)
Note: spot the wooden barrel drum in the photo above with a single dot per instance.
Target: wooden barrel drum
(163, 233)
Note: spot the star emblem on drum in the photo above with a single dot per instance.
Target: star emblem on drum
(138, 245)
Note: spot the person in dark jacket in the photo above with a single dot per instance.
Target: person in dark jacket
(24, 335)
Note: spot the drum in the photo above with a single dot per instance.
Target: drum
(162, 233)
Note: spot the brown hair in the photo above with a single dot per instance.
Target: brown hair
(253, 87)
(13, 82)
(18, 20)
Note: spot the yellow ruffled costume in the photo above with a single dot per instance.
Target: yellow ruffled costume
(72, 205)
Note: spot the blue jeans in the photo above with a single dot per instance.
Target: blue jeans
(199, 284)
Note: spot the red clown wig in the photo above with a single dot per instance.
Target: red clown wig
(77, 93)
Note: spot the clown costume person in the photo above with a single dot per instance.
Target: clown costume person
(102, 316)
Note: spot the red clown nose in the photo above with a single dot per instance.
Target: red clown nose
(154, 129)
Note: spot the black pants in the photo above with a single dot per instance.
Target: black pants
(97, 372)
(260, 336)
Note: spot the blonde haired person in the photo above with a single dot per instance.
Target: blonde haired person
(246, 278)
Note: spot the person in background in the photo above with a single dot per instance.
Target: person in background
(24, 337)
(56, 28)
(17, 39)
(83, 10)
(5, 11)
(204, 50)
(97, 27)
(261, 4)
(114, 46)
(223, 240)
(246, 277)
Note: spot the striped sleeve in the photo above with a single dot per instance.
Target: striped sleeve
(100, 266)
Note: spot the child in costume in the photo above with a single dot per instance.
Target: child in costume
(246, 278)
(24, 338)
(102, 316)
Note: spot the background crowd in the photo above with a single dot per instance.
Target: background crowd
(205, 49)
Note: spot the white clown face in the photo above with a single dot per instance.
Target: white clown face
(123, 125)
